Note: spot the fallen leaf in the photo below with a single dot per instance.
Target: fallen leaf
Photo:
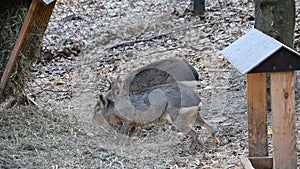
(89, 134)
(100, 72)
(270, 132)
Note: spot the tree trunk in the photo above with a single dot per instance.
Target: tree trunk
(277, 19)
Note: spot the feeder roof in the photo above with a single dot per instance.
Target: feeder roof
(257, 52)
(46, 2)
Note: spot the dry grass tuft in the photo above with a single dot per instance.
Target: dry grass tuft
(30, 131)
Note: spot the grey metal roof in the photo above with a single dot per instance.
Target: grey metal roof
(46, 2)
(252, 49)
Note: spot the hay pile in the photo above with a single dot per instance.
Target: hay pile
(12, 15)
(29, 135)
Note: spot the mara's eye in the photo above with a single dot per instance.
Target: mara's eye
(117, 92)
(97, 107)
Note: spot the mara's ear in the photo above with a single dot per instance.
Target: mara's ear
(110, 83)
(116, 87)
(103, 102)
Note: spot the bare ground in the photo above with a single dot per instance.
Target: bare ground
(88, 42)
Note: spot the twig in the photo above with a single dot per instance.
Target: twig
(31, 100)
(130, 43)
(161, 51)
(49, 90)
(221, 70)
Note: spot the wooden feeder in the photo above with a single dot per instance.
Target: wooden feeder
(254, 54)
(35, 23)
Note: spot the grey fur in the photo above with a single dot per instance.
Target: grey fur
(158, 73)
(174, 102)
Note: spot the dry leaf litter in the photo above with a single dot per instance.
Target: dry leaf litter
(87, 43)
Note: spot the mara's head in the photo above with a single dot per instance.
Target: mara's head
(104, 112)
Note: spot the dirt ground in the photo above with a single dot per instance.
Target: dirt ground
(89, 42)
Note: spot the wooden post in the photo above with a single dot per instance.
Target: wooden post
(33, 28)
(284, 125)
(257, 115)
(199, 7)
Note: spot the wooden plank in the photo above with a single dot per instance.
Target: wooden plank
(257, 115)
(246, 163)
(262, 162)
(284, 125)
(256, 162)
(33, 28)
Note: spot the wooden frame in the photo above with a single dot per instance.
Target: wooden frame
(283, 120)
(257, 114)
(255, 54)
(35, 23)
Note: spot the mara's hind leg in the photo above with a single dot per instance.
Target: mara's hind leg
(132, 131)
(183, 121)
(128, 128)
(194, 135)
(209, 127)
